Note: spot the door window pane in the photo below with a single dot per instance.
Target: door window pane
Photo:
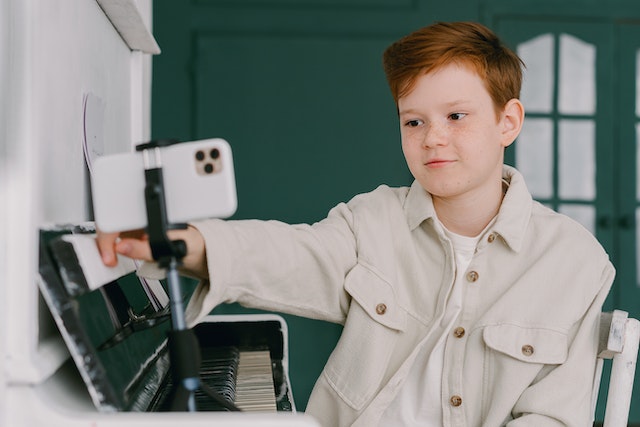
(584, 214)
(534, 156)
(638, 83)
(577, 168)
(577, 83)
(638, 163)
(537, 85)
(637, 248)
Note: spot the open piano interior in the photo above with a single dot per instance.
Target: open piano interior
(115, 326)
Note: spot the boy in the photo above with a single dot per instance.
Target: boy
(464, 302)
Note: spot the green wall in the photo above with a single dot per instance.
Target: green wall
(297, 88)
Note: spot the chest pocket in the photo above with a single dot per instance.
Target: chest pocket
(533, 345)
(376, 297)
(357, 366)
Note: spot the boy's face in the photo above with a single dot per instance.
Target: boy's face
(451, 137)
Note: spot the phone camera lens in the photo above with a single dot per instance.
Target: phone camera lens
(215, 153)
(208, 168)
(200, 155)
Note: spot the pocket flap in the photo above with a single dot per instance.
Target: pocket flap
(376, 297)
(535, 345)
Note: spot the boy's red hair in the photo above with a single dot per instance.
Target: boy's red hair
(466, 43)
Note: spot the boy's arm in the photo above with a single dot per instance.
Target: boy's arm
(296, 269)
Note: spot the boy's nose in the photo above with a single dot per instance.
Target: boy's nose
(433, 136)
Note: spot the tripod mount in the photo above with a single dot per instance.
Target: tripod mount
(184, 349)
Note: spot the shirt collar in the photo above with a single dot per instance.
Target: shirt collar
(418, 206)
(515, 212)
(513, 216)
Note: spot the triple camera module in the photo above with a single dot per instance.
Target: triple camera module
(208, 162)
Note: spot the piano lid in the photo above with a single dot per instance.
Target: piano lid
(97, 321)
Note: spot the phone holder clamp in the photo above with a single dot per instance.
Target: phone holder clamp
(184, 350)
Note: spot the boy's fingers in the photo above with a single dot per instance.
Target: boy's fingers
(135, 248)
(106, 246)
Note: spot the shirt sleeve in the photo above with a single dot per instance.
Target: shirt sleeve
(296, 269)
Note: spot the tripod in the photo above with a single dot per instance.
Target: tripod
(184, 349)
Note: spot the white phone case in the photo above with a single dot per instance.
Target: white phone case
(199, 182)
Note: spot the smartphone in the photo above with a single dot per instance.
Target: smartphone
(199, 182)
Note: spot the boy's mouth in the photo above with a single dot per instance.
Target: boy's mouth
(438, 162)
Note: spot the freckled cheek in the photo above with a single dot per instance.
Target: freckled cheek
(414, 164)
(414, 134)
(409, 147)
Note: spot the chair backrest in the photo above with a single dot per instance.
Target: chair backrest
(619, 338)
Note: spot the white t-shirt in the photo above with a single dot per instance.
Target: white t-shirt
(419, 401)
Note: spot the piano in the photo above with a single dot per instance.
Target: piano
(114, 325)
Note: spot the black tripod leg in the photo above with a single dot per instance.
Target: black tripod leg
(181, 399)
(213, 395)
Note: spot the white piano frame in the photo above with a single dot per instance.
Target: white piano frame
(54, 55)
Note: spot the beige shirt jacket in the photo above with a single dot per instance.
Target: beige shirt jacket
(523, 348)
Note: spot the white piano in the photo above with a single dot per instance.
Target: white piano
(75, 84)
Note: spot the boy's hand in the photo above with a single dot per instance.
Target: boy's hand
(132, 244)
(135, 244)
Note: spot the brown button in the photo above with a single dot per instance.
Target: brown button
(455, 400)
(491, 237)
(458, 332)
(472, 276)
(527, 350)
(381, 308)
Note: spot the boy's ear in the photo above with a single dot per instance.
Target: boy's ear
(512, 120)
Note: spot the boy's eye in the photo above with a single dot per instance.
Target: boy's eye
(414, 123)
(456, 116)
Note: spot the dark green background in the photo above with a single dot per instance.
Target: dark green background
(297, 88)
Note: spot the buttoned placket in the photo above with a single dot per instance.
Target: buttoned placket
(443, 301)
(453, 407)
(377, 407)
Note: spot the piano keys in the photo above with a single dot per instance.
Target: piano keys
(254, 384)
